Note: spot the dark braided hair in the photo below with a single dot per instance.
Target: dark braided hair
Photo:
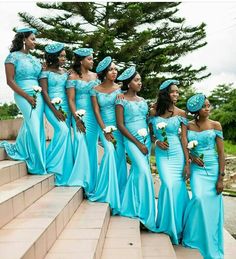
(52, 59)
(17, 43)
(77, 65)
(163, 102)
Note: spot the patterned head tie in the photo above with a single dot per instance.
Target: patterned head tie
(84, 52)
(168, 82)
(196, 102)
(103, 64)
(54, 47)
(129, 72)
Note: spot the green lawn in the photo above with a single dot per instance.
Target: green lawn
(230, 149)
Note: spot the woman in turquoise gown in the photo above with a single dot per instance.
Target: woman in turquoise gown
(203, 220)
(171, 160)
(112, 174)
(79, 84)
(22, 72)
(59, 153)
(131, 113)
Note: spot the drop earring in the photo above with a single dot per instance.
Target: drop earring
(24, 45)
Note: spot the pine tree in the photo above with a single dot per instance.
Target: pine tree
(146, 34)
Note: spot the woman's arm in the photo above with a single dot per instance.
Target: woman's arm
(221, 159)
(184, 143)
(71, 99)
(10, 74)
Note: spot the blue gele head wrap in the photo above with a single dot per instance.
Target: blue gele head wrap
(168, 82)
(129, 72)
(196, 102)
(22, 30)
(84, 52)
(103, 64)
(54, 47)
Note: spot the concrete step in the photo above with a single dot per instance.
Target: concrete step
(123, 240)
(155, 245)
(16, 196)
(32, 233)
(11, 170)
(3, 154)
(187, 253)
(84, 236)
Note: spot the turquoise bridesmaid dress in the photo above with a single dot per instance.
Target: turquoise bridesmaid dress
(30, 145)
(173, 195)
(112, 174)
(85, 145)
(59, 153)
(139, 197)
(203, 220)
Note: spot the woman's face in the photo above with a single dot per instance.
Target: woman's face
(136, 83)
(205, 111)
(112, 72)
(87, 62)
(174, 93)
(62, 58)
(30, 42)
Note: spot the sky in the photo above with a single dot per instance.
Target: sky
(218, 55)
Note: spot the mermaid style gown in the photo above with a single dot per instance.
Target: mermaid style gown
(85, 145)
(139, 197)
(30, 145)
(59, 153)
(173, 195)
(112, 174)
(203, 220)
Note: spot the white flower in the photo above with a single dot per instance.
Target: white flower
(192, 144)
(179, 130)
(142, 132)
(109, 129)
(19, 116)
(161, 125)
(37, 89)
(56, 100)
(80, 113)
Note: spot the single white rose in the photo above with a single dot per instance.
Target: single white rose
(161, 125)
(192, 144)
(37, 89)
(142, 132)
(56, 100)
(109, 129)
(80, 113)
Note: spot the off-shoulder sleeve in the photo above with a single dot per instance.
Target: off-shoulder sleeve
(151, 119)
(183, 120)
(11, 59)
(43, 74)
(70, 84)
(93, 92)
(95, 82)
(219, 133)
(120, 101)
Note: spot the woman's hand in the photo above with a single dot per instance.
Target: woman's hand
(197, 160)
(186, 172)
(59, 115)
(161, 144)
(109, 137)
(142, 148)
(120, 96)
(31, 101)
(80, 125)
(219, 186)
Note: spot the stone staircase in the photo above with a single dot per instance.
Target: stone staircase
(39, 220)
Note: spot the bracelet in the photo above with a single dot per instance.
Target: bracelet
(222, 174)
(157, 140)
